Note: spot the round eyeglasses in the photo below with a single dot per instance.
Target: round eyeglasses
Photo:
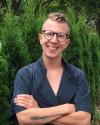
(61, 37)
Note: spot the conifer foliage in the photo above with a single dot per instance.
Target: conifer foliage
(19, 46)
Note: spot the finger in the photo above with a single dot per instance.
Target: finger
(21, 103)
(28, 103)
(21, 98)
(25, 95)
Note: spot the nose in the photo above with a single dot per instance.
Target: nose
(54, 39)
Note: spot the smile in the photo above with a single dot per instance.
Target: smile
(52, 47)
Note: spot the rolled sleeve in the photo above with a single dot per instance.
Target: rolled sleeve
(21, 86)
(82, 98)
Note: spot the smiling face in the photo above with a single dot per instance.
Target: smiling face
(53, 48)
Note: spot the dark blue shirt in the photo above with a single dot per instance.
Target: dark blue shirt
(73, 88)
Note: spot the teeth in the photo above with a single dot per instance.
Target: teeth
(52, 48)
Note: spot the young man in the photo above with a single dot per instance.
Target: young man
(51, 91)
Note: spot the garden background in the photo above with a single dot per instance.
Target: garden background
(20, 23)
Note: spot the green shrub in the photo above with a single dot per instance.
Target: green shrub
(20, 46)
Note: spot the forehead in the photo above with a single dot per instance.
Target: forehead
(55, 26)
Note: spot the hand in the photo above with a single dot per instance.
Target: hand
(25, 100)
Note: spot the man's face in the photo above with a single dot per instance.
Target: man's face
(53, 38)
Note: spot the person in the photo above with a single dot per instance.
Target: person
(51, 91)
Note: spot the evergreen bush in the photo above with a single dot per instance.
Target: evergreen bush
(20, 46)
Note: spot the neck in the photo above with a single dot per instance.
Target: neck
(52, 63)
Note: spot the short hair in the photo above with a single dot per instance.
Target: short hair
(58, 17)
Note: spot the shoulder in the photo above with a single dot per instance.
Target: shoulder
(28, 69)
(33, 70)
(75, 70)
(76, 74)
(72, 71)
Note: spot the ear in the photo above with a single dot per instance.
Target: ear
(67, 43)
(40, 36)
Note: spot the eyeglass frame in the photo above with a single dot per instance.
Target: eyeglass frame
(66, 35)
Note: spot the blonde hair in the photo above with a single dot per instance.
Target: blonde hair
(58, 17)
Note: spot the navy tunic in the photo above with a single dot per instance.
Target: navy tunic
(32, 79)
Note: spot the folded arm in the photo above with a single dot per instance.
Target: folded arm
(58, 115)
(35, 115)
(76, 118)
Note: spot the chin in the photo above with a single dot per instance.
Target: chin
(52, 56)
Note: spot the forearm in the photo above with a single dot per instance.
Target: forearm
(43, 115)
(77, 118)
(36, 120)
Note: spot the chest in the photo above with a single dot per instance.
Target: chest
(54, 79)
(54, 89)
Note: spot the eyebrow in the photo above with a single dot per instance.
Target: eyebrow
(55, 32)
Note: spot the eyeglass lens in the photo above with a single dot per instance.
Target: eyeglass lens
(50, 34)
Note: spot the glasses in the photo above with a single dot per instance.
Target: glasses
(61, 37)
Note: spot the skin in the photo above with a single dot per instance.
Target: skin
(41, 115)
(52, 49)
(24, 101)
(58, 115)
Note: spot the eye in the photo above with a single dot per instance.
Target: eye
(49, 33)
(61, 35)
